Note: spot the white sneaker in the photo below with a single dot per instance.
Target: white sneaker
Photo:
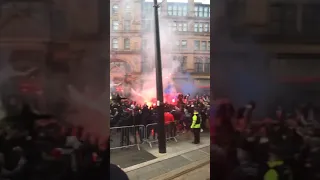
(201, 130)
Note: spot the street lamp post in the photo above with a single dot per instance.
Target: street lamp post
(160, 104)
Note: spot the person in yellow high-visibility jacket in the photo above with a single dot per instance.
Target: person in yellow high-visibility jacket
(196, 127)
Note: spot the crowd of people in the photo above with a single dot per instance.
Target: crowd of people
(179, 116)
(284, 147)
(37, 147)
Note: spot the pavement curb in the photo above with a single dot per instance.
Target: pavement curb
(141, 165)
(183, 170)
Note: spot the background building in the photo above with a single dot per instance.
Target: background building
(125, 41)
(267, 51)
(132, 24)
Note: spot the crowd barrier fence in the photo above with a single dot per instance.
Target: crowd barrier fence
(126, 136)
(151, 133)
(129, 136)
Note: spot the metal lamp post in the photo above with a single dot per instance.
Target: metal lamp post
(160, 104)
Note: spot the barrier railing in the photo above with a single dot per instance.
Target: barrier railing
(151, 133)
(129, 136)
(126, 136)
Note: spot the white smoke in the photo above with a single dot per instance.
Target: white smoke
(147, 91)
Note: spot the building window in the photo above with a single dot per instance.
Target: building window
(201, 27)
(202, 11)
(184, 11)
(182, 62)
(174, 10)
(207, 65)
(115, 44)
(179, 26)
(173, 26)
(198, 65)
(147, 9)
(115, 25)
(120, 66)
(208, 45)
(206, 12)
(126, 43)
(184, 44)
(283, 19)
(177, 45)
(127, 8)
(196, 45)
(170, 10)
(311, 19)
(115, 8)
(202, 64)
(206, 27)
(177, 10)
(203, 45)
(127, 25)
(185, 27)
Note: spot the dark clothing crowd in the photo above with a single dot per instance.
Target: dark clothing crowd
(283, 147)
(127, 113)
(38, 147)
(178, 116)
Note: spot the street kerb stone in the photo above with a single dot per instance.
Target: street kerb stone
(182, 170)
(170, 167)
(158, 169)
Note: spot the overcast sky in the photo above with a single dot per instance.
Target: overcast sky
(184, 1)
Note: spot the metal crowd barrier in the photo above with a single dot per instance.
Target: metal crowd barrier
(151, 133)
(126, 136)
(129, 136)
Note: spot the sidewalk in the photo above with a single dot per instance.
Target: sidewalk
(132, 156)
(178, 156)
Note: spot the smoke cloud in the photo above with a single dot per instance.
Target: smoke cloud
(146, 91)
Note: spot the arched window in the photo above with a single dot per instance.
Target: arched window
(126, 43)
(198, 65)
(115, 44)
(120, 66)
(115, 8)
